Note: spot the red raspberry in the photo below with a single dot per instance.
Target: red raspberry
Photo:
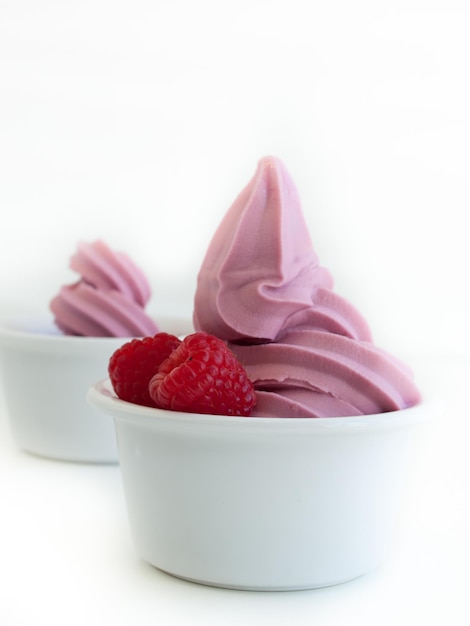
(132, 366)
(203, 376)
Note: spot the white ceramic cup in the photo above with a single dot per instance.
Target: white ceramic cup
(46, 376)
(261, 503)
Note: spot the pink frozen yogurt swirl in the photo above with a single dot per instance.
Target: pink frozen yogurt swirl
(109, 298)
(261, 276)
(307, 350)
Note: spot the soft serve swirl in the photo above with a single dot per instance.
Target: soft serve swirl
(109, 298)
(308, 351)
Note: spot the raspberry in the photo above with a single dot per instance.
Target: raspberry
(203, 376)
(133, 364)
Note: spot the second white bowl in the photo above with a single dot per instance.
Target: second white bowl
(46, 376)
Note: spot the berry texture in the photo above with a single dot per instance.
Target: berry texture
(133, 365)
(203, 376)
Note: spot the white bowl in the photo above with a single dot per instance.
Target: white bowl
(46, 376)
(260, 503)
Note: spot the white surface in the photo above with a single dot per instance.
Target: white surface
(67, 553)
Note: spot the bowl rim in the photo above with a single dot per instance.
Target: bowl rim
(39, 328)
(102, 396)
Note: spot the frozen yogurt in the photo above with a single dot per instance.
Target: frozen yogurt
(108, 300)
(261, 288)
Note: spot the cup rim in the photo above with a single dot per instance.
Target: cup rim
(39, 329)
(102, 396)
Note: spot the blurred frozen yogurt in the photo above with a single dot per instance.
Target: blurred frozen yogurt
(108, 300)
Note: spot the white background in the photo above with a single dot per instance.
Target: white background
(139, 122)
